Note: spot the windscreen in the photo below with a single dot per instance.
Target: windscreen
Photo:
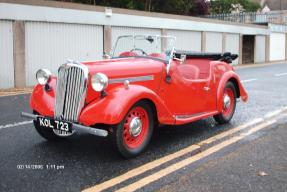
(144, 45)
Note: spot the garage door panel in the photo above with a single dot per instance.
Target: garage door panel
(232, 45)
(6, 55)
(187, 40)
(260, 47)
(277, 46)
(48, 45)
(214, 42)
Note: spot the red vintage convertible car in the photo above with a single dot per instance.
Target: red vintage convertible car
(145, 82)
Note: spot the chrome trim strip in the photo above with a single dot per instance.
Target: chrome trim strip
(90, 130)
(132, 79)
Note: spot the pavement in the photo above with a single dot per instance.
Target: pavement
(248, 154)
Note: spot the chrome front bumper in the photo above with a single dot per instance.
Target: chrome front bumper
(90, 130)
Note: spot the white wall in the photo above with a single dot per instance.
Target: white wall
(128, 45)
(232, 45)
(53, 35)
(48, 45)
(277, 46)
(66, 15)
(213, 42)
(260, 47)
(187, 40)
(6, 55)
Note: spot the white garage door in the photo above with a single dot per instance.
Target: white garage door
(145, 45)
(277, 46)
(232, 45)
(48, 45)
(187, 40)
(260, 44)
(6, 55)
(213, 42)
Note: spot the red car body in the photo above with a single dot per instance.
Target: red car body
(186, 95)
(143, 91)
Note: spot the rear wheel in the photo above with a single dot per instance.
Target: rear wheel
(132, 135)
(229, 104)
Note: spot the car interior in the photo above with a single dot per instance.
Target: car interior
(196, 65)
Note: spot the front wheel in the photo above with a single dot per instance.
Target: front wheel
(229, 104)
(132, 135)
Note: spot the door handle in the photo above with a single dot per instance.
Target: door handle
(206, 88)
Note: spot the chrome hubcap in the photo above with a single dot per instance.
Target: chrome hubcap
(135, 127)
(226, 101)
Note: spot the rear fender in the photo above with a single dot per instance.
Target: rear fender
(114, 106)
(233, 77)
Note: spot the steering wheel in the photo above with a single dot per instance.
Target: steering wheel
(137, 49)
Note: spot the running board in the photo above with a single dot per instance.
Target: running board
(183, 119)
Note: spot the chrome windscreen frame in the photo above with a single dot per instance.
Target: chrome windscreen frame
(168, 59)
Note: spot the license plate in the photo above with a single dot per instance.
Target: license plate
(54, 124)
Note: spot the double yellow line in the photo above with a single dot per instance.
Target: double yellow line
(259, 124)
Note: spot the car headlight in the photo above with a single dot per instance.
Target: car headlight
(43, 76)
(99, 82)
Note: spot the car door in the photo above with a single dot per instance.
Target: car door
(186, 94)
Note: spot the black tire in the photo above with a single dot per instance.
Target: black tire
(222, 118)
(46, 133)
(118, 137)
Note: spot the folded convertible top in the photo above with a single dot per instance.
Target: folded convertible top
(227, 57)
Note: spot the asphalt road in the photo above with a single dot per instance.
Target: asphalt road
(29, 163)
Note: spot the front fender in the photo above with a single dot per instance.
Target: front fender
(230, 76)
(112, 108)
(43, 101)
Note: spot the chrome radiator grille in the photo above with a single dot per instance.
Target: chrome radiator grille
(71, 91)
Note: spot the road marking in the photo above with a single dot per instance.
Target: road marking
(231, 131)
(274, 113)
(15, 124)
(153, 164)
(248, 80)
(280, 74)
(176, 166)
